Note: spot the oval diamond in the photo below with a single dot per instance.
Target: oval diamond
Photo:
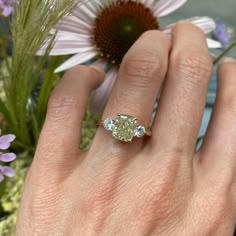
(139, 131)
(108, 124)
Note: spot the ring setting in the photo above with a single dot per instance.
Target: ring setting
(124, 127)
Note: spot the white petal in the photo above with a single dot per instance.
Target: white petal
(64, 35)
(102, 93)
(210, 42)
(87, 11)
(66, 47)
(84, 15)
(67, 35)
(75, 23)
(165, 7)
(148, 3)
(92, 7)
(213, 43)
(67, 43)
(76, 60)
(66, 50)
(61, 33)
(207, 24)
(69, 28)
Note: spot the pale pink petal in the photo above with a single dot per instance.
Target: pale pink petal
(73, 44)
(102, 93)
(205, 23)
(66, 44)
(75, 22)
(66, 49)
(84, 13)
(148, 3)
(165, 7)
(64, 35)
(213, 43)
(76, 60)
(64, 26)
(92, 7)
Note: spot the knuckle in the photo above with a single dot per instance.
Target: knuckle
(61, 104)
(186, 26)
(143, 67)
(73, 71)
(97, 199)
(229, 104)
(162, 37)
(89, 76)
(194, 66)
(211, 209)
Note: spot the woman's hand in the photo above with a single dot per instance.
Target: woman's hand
(153, 186)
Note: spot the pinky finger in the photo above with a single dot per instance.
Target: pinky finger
(219, 145)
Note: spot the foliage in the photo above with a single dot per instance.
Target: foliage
(30, 25)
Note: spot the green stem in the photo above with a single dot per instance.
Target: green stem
(231, 46)
(48, 82)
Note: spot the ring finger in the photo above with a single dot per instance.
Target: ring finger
(141, 74)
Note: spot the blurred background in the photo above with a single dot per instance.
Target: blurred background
(224, 10)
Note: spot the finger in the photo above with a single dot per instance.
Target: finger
(60, 136)
(184, 94)
(219, 145)
(141, 74)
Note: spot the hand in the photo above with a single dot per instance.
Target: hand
(154, 186)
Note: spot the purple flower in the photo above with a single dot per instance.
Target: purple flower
(7, 6)
(223, 33)
(5, 142)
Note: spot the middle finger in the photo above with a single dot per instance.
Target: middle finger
(183, 99)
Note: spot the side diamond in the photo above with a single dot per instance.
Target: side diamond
(139, 131)
(108, 124)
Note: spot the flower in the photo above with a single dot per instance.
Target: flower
(5, 142)
(7, 6)
(223, 33)
(100, 32)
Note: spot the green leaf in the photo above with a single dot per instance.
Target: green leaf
(5, 112)
(45, 91)
(2, 189)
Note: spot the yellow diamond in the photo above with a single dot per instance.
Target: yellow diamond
(124, 128)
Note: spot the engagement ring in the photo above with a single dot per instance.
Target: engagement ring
(124, 127)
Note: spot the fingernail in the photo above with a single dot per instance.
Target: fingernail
(227, 60)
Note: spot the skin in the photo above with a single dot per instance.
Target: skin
(153, 186)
